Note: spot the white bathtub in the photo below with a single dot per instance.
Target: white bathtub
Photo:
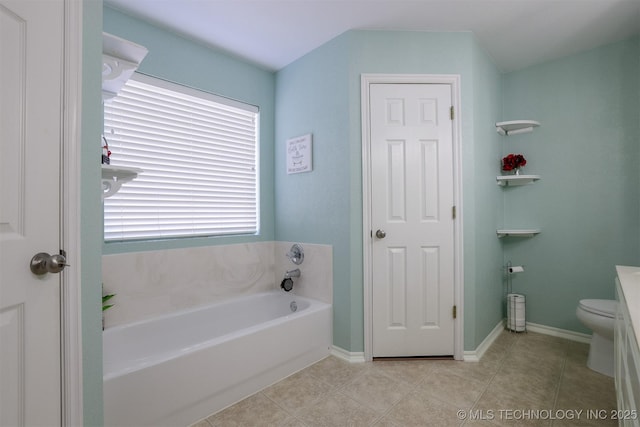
(177, 369)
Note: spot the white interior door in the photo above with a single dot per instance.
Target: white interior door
(413, 226)
(31, 56)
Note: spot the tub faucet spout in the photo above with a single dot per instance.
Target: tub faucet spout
(292, 273)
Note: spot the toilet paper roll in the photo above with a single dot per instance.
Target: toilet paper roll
(516, 312)
(516, 269)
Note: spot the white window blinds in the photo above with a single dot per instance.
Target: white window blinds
(199, 156)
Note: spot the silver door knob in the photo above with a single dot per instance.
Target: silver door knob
(381, 234)
(43, 263)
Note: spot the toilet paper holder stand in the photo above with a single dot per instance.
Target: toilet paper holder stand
(509, 271)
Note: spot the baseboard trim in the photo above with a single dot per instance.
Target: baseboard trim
(557, 332)
(476, 355)
(349, 356)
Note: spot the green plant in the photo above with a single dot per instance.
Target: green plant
(105, 299)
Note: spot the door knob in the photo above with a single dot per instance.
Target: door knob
(381, 234)
(43, 263)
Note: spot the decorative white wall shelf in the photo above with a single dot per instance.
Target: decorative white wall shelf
(113, 177)
(507, 128)
(120, 58)
(510, 180)
(515, 127)
(517, 232)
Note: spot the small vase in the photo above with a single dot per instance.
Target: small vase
(517, 171)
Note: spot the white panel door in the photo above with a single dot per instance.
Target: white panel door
(413, 228)
(31, 54)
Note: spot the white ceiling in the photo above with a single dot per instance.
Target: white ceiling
(274, 33)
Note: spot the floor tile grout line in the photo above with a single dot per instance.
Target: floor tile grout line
(282, 408)
(323, 396)
(500, 366)
(409, 392)
(560, 379)
(406, 395)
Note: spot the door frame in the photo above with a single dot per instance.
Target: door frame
(71, 371)
(452, 80)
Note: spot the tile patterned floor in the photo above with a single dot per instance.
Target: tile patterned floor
(522, 380)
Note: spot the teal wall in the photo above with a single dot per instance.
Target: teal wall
(587, 151)
(91, 213)
(179, 60)
(312, 96)
(483, 207)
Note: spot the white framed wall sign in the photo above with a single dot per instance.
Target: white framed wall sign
(299, 154)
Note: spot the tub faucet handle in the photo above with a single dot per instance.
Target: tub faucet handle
(296, 254)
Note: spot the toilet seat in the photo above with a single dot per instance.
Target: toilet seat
(601, 307)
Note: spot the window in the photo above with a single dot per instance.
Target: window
(199, 156)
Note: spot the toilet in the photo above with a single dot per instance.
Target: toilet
(598, 315)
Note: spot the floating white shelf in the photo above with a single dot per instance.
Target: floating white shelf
(114, 176)
(509, 180)
(120, 58)
(517, 232)
(515, 127)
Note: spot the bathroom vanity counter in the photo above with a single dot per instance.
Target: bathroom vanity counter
(626, 350)
(629, 278)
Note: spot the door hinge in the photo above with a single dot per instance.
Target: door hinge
(455, 311)
(453, 212)
(451, 112)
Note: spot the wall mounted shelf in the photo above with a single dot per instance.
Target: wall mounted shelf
(120, 58)
(517, 232)
(113, 177)
(507, 128)
(515, 127)
(510, 180)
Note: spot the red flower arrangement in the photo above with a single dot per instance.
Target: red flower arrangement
(513, 162)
